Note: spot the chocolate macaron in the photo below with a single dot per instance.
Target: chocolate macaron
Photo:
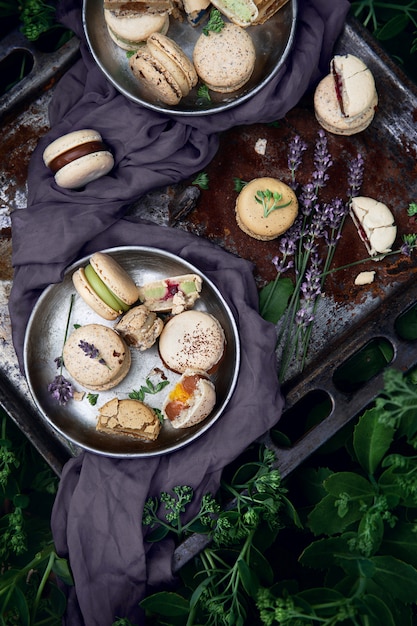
(78, 158)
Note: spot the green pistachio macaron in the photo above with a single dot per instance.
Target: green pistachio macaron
(105, 286)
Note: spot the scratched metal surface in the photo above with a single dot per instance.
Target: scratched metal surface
(349, 315)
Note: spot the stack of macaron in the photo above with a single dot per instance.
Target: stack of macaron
(164, 69)
(191, 344)
(225, 60)
(78, 158)
(345, 100)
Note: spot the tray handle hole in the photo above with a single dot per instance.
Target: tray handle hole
(13, 68)
(306, 413)
(366, 363)
(406, 324)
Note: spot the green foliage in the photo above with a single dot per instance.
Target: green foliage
(356, 563)
(29, 595)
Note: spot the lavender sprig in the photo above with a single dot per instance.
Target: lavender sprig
(295, 155)
(92, 352)
(60, 388)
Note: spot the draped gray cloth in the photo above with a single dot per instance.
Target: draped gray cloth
(96, 521)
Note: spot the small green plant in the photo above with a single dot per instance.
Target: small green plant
(352, 537)
(29, 595)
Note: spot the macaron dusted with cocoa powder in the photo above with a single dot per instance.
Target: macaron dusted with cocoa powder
(266, 208)
(78, 158)
(105, 286)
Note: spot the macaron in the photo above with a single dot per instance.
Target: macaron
(192, 340)
(128, 417)
(78, 158)
(164, 69)
(191, 400)
(173, 58)
(140, 327)
(266, 208)
(375, 224)
(345, 100)
(96, 357)
(160, 84)
(225, 60)
(129, 30)
(175, 294)
(105, 286)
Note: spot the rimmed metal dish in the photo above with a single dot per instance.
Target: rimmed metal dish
(273, 41)
(76, 420)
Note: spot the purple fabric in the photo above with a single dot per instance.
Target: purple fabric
(96, 520)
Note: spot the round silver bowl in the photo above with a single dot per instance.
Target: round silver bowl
(76, 420)
(273, 41)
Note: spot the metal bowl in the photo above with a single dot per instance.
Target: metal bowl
(76, 420)
(273, 41)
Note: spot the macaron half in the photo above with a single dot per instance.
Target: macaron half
(105, 286)
(266, 208)
(345, 100)
(78, 158)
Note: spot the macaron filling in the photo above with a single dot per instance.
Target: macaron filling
(72, 154)
(103, 292)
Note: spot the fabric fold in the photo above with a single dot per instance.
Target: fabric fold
(96, 520)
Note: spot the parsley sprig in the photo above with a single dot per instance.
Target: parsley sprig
(215, 23)
(270, 201)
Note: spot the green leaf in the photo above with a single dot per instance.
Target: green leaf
(260, 565)
(371, 440)
(393, 27)
(401, 542)
(324, 600)
(166, 603)
(19, 603)
(399, 579)
(157, 534)
(273, 299)
(322, 554)
(324, 518)
(62, 570)
(248, 577)
(376, 610)
(349, 482)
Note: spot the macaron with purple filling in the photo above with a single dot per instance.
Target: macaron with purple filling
(78, 158)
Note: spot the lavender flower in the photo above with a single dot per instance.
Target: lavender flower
(282, 265)
(322, 160)
(308, 199)
(410, 242)
(295, 153)
(355, 175)
(61, 389)
(91, 351)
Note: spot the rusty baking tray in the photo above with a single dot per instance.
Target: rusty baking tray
(361, 313)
